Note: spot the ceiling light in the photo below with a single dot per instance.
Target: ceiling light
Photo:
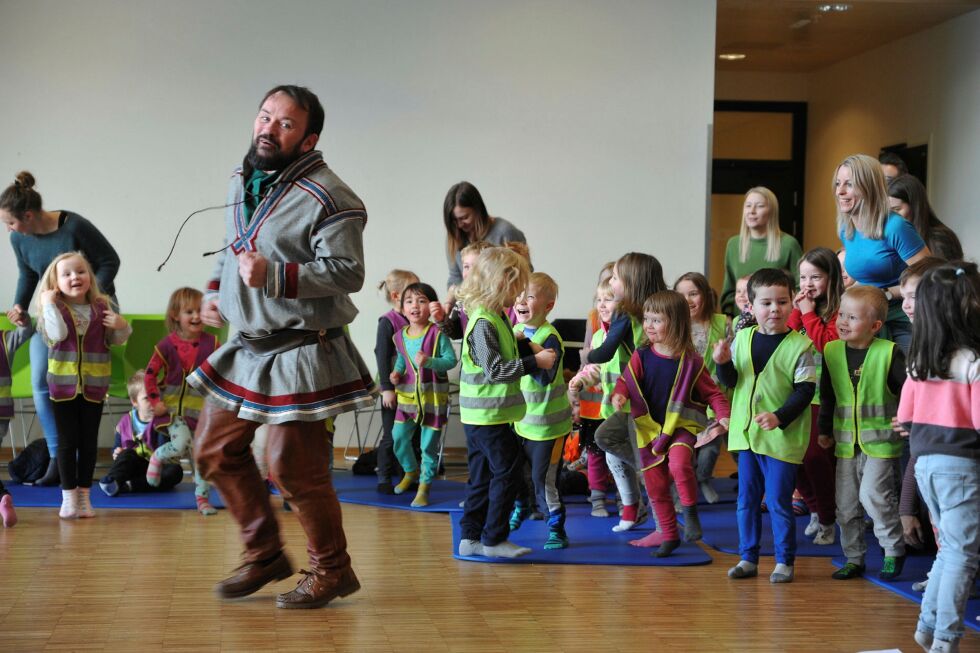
(731, 56)
(836, 7)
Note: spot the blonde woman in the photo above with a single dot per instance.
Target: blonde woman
(880, 244)
(759, 244)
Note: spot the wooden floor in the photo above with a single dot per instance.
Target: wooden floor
(141, 581)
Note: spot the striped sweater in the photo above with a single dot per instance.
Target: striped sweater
(942, 416)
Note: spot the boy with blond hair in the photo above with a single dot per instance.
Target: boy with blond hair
(860, 386)
(548, 418)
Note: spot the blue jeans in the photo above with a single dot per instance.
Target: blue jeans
(42, 399)
(758, 473)
(950, 486)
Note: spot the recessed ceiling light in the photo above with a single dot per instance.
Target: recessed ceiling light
(731, 56)
(835, 7)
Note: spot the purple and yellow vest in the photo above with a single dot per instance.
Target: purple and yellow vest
(148, 442)
(6, 397)
(685, 417)
(180, 398)
(423, 394)
(80, 361)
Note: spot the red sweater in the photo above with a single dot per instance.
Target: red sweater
(816, 329)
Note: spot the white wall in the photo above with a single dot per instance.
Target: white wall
(584, 123)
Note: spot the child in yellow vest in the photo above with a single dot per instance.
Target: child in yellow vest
(773, 372)
(490, 400)
(10, 342)
(548, 416)
(859, 389)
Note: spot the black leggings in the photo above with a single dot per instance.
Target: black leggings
(78, 440)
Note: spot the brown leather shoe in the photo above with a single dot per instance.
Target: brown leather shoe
(315, 590)
(253, 576)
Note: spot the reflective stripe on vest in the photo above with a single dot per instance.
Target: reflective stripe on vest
(876, 405)
(681, 412)
(428, 390)
(481, 401)
(180, 398)
(548, 415)
(80, 363)
(766, 391)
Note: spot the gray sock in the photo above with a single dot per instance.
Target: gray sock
(470, 548)
(781, 574)
(505, 549)
(692, 524)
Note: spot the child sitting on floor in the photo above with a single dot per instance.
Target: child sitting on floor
(138, 433)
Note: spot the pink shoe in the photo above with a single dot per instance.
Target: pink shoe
(7, 512)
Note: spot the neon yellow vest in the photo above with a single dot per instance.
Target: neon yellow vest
(549, 415)
(611, 370)
(865, 410)
(766, 391)
(481, 401)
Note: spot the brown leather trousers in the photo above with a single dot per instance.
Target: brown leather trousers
(298, 454)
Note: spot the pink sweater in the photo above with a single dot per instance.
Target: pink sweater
(942, 416)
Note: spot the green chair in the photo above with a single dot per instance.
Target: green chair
(21, 390)
(148, 330)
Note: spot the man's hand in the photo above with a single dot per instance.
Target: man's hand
(766, 421)
(18, 316)
(210, 314)
(388, 399)
(252, 268)
(545, 359)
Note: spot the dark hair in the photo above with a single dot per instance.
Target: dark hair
(466, 195)
(826, 260)
(947, 318)
(20, 196)
(419, 288)
(940, 239)
(892, 159)
(767, 277)
(307, 101)
(709, 299)
(920, 267)
(641, 275)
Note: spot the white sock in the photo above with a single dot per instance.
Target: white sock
(623, 525)
(781, 574)
(505, 549)
(470, 548)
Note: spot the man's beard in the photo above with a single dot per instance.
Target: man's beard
(276, 160)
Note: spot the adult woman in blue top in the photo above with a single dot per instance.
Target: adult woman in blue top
(38, 237)
(879, 243)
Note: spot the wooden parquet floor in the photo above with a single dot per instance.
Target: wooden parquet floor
(141, 581)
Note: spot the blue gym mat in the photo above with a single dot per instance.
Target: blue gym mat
(721, 532)
(444, 496)
(726, 488)
(592, 543)
(916, 568)
(180, 498)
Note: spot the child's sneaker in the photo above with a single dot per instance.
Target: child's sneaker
(945, 646)
(69, 504)
(813, 526)
(518, 516)
(85, 510)
(923, 639)
(891, 568)
(826, 534)
(848, 571)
